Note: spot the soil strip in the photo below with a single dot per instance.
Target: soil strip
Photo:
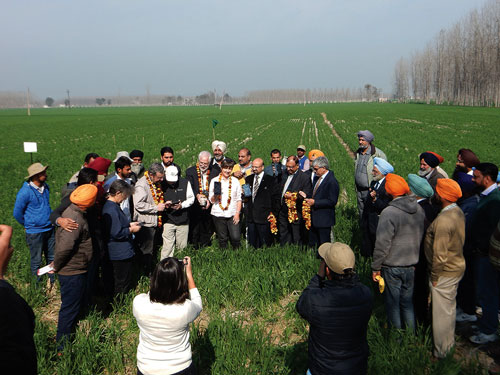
(346, 146)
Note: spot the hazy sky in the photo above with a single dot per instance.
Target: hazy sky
(189, 47)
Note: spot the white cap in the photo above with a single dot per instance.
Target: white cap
(171, 174)
(120, 154)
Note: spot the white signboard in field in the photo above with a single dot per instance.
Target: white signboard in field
(30, 147)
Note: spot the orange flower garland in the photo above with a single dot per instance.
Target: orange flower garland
(306, 214)
(157, 194)
(292, 207)
(200, 188)
(228, 196)
(273, 222)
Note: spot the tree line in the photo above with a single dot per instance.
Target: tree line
(460, 66)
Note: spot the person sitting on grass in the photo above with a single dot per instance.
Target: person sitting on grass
(338, 310)
(163, 316)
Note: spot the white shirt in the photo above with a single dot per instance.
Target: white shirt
(189, 197)
(40, 189)
(235, 197)
(287, 183)
(488, 190)
(164, 346)
(320, 180)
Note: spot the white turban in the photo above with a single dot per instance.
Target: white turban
(219, 144)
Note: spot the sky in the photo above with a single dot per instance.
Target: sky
(187, 47)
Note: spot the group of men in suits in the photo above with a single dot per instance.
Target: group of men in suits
(265, 203)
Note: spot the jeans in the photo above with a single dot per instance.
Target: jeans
(39, 243)
(227, 230)
(487, 278)
(72, 295)
(399, 283)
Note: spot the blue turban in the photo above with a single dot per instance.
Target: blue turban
(431, 159)
(420, 186)
(383, 166)
(367, 135)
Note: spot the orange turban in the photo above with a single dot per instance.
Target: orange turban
(448, 189)
(396, 185)
(84, 196)
(315, 154)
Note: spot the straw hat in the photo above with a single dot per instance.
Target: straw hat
(34, 169)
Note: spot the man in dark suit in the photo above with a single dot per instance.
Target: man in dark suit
(264, 200)
(376, 200)
(200, 221)
(324, 198)
(296, 181)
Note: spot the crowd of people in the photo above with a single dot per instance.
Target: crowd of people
(427, 235)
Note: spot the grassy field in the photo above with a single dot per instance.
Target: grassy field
(249, 324)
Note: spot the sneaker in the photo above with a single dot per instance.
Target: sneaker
(483, 338)
(463, 317)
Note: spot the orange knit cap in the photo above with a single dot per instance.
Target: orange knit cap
(84, 196)
(315, 154)
(448, 189)
(396, 185)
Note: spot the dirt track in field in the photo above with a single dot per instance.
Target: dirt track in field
(345, 145)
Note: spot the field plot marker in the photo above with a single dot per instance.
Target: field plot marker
(31, 148)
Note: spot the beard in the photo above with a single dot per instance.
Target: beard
(137, 168)
(219, 157)
(424, 172)
(363, 147)
(378, 177)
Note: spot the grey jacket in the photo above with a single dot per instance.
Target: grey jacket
(145, 210)
(374, 153)
(399, 233)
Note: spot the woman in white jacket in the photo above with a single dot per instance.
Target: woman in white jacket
(163, 316)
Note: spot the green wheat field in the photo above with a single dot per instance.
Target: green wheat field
(249, 324)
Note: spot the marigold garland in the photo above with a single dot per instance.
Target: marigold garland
(291, 203)
(273, 223)
(200, 188)
(228, 196)
(157, 194)
(306, 214)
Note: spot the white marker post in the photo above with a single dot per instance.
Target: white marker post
(30, 147)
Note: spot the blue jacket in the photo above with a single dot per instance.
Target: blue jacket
(325, 199)
(32, 209)
(117, 233)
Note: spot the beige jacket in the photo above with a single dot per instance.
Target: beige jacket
(444, 242)
(145, 208)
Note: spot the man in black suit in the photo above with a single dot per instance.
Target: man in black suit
(264, 200)
(201, 226)
(324, 198)
(376, 200)
(295, 181)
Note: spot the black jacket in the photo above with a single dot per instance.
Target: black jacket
(266, 200)
(325, 198)
(373, 209)
(338, 312)
(300, 182)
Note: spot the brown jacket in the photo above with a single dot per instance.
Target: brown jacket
(444, 242)
(73, 250)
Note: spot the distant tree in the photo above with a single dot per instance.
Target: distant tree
(49, 101)
(100, 101)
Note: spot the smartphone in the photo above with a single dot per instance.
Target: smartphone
(217, 188)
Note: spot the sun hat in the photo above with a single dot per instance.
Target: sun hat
(120, 154)
(34, 169)
(171, 174)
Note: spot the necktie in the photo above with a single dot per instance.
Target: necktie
(274, 170)
(255, 187)
(316, 186)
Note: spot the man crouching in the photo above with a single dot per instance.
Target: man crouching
(338, 310)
